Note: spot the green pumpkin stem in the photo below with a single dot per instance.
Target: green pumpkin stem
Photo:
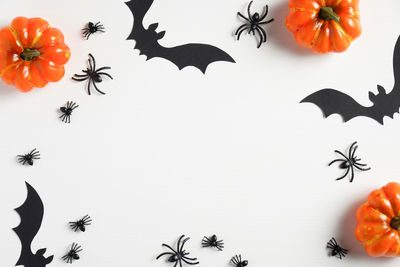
(395, 223)
(29, 54)
(327, 13)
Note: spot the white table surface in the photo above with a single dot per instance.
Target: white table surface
(169, 152)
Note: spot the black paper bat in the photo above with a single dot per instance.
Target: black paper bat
(197, 55)
(31, 213)
(332, 101)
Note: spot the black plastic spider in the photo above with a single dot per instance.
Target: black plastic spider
(179, 254)
(237, 261)
(336, 250)
(350, 162)
(72, 254)
(92, 28)
(253, 25)
(81, 224)
(93, 75)
(67, 111)
(29, 158)
(212, 242)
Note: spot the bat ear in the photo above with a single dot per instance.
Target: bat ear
(381, 90)
(41, 251)
(371, 96)
(153, 27)
(49, 259)
(160, 35)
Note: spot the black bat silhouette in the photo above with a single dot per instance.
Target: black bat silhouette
(31, 213)
(331, 101)
(197, 55)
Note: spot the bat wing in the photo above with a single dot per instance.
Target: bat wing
(31, 214)
(197, 55)
(331, 101)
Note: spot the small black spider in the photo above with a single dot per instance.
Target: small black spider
(253, 24)
(179, 254)
(237, 261)
(350, 162)
(92, 28)
(212, 242)
(93, 75)
(81, 224)
(29, 158)
(336, 250)
(72, 254)
(67, 111)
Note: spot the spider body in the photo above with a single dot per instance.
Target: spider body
(238, 262)
(179, 255)
(350, 162)
(253, 23)
(92, 75)
(336, 250)
(213, 242)
(29, 158)
(67, 111)
(72, 253)
(92, 28)
(81, 224)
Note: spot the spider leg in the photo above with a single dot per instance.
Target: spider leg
(340, 178)
(265, 13)
(244, 26)
(81, 75)
(69, 119)
(80, 80)
(340, 153)
(190, 263)
(263, 33)
(88, 35)
(108, 75)
(163, 254)
(176, 263)
(354, 152)
(248, 8)
(97, 89)
(336, 160)
(266, 22)
(180, 262)
(103, 68)
(261, 37)
(238, 36)
(180, 245)
(86, 218)
(94, 62)
(165, 245)
(191, 259)
(361, 169)
(351, 149)
(183, 243)
(243, 17)
(352, 173)
(88, 85)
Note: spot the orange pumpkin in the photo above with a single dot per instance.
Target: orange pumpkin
(32, 53)
(379, 222)
(324, 25)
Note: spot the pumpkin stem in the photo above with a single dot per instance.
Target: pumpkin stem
(327, 13)
(29, 54)
(395, 223)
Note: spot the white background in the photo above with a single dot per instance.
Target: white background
(169, 152)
